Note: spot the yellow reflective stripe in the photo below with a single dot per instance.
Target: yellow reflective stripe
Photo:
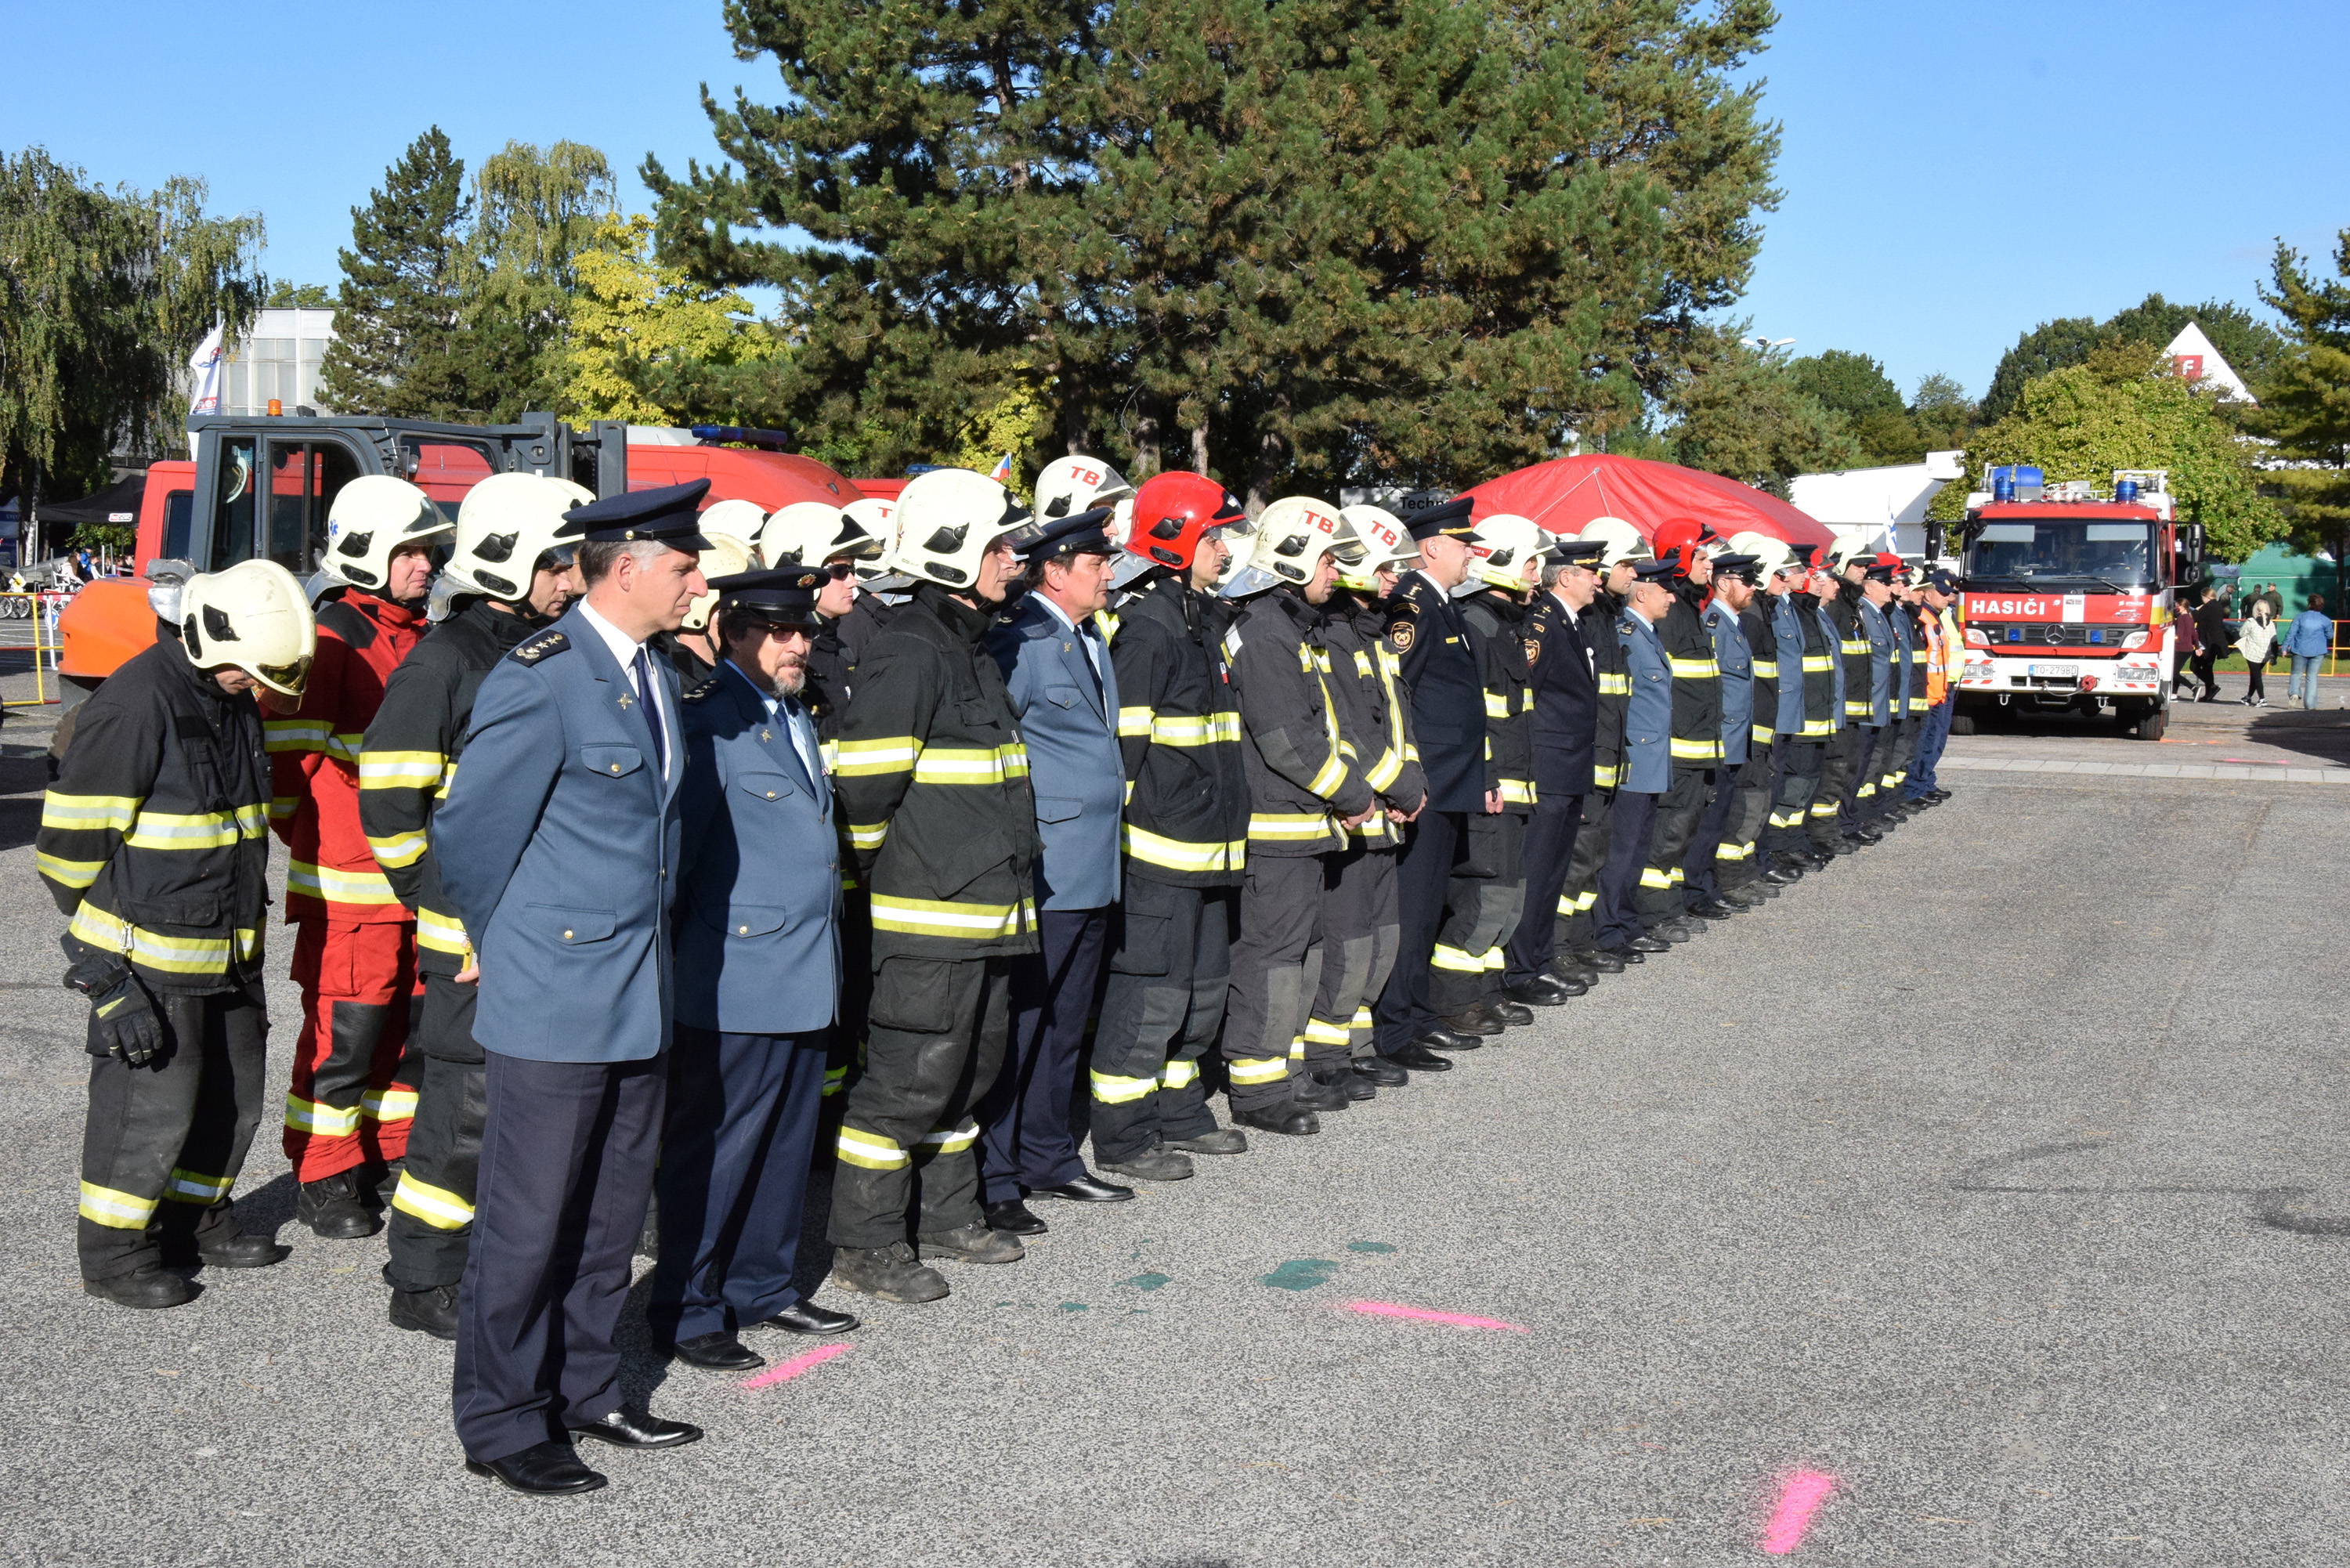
(1652, 878)
(1919, 704)
(436, 1205)
(829, 752)
(950, 1140)
(1259, 1070)
(1332, 774)
(1517, 792)
(870, 1150)
(401, 769)
(1606, 777)
(405, 850)
(184, 1186)
(894, 754)
(1112, 1090)
(1497, 705)
(1818, 664)
(971, 765)
(1696, 751)
(326, 1121)
(863, 836)
(1726, 851)
(1201, 729)
(1290, 824)
(1865, 791)
(1819, 727)
(174, 955)
(90, 812)
(1457, 961)
(1614, 683)
(284, 806)
(1853, 709)
(1133, 722)
(1692, 668)
(197, 830)
(69, 873)
(1321, 1031)
(1855, 645)
(1761, 734)
(297, 735)
(1385, 771)
(1177, 855)
(1824, 808)
(441, 933)
(338, 886)
(389, 1104)
(835, 1080)
(1177, 1074)
(120, 1211)
(927, 916)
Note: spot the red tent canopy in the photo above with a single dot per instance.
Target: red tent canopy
(1566, 492)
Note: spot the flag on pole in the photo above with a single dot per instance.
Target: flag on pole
(203, 396)
(1001, 473)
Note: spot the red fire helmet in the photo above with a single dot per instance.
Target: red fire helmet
(1171, 510)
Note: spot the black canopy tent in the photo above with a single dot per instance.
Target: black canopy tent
(117, 504)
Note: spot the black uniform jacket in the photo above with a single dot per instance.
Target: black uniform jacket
(1564, 679)
(1438, 655)
(1179, 733)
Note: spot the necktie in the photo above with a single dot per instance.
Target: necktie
(644, 669)
(1088, 633)
(787, 713)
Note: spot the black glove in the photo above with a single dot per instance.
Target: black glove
(122, 1019)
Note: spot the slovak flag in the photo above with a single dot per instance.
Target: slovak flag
(1002, 471)
(203, 397)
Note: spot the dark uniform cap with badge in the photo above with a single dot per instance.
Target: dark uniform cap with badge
(670, 516)
(1575, 552)
(1657, 570)
(783, 596)
(1082, 533)
(1743, 568)
(1451, 520)
(1943, 583)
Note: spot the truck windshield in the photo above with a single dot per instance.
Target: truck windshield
(2052, 550)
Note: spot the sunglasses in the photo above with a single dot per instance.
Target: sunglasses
(840, 571)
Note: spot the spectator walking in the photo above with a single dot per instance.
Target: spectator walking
(2183, 672)
(2256, 639)
(2307, 639)
(2274, 600)
(2211, 640)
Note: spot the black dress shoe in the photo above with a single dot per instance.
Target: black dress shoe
(1316, 1095)
(1512, 1013)
(1869, 835)
(1938, 795)
(717, 1351)
(1085, 1188)
(627, 1428)
(1672, 931)
(1649, 944)
(806, 1317)
(1577, 972)
(1474, 1019)
(1542, 991)
(1417, 1057)
(1290, 1121)
(1440, 1038)
(1711, 909)
(1783, 876)
(1013, 1216)
(245, 1250)
(543, 1469)
(1385, 1073)
(1598, 958)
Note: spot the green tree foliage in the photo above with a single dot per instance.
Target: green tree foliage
(1940, 418)
(2125, 409)
(103, 295)
(1747, 414)
(535, 211)
(634, 322)
(305, 296)
(2305, 405)
(1295, 242)
(2249, 345)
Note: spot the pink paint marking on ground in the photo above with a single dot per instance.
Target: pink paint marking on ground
(1423, 1314)
(786, 1371)
(1804, 1491)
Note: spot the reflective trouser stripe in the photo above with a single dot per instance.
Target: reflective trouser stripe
(1652, 878)
(1113, 1090)
(834, 1079)
(1732, 851)
(436, 1205)
(1259, 1069)
(121, 1211)
(1321, 1031)
(195, 1187)
(870, 1150)
(949, 1141)
(394, 1103)
(1178, 1073)
(1824, 808)
(1457, 961)
(327, 1121)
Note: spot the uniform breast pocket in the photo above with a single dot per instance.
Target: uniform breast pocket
(768, 786)
(563, 926)
(1061, 696)
(1053, 809)
(612, 762)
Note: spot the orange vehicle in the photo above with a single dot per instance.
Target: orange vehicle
(208, 513)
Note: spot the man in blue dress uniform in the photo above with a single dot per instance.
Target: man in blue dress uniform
(1648, 761)
(560, 843)
(758, 983)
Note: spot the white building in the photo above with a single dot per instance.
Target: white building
(1881, 506)
(278, 358)
(2195, 359)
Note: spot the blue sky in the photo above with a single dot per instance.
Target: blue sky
(1954, 173)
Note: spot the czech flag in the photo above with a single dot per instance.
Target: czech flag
(1002, 471)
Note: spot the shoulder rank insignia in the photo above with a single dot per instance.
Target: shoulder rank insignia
(699, 690)
(540, 647)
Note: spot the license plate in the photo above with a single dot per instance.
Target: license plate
(2055, 670)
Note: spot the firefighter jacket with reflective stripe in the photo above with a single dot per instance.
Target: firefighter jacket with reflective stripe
(1499, 621)
(409, 755)
(868, 614)
(1697, 679)
(1374, 714)
(1561, 674)
(1946, 654)
(314, 757)
(1178, 735)
(1823, 672)
(1876, 635)
(155, 838)
(1797, 657)
(1851, 647)
(1735, 658)
(1648, 711)
(1911, 620)
(933, 781)
(1300, 779)
(1435, 650)
(825, 694)
(1611, 671)
(1763, 640)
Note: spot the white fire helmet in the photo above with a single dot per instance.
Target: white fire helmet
(948, 519)
(880, 518)
(733, 519)
(1385, 543)
(1770, 554)
(1506, 543)
(374, 515)
(1073, 484)
(1293, 534)
(504, 530)
(726, 556)
(810, 532)
(1623, 541)
(252, 615)
(1848, 548)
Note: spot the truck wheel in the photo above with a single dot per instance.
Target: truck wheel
(1962, 723)
(2150, 728)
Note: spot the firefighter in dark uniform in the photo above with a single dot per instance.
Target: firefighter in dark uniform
(1466, 974)
(1859, 818)
(1719, 850)
(1744, 878)
(1185, 840)
(1622, 549)
(1649, 772)
(1562, 673)
(1775, 611)
(933, 781)
(1305, 792)
(1803, 623)
(1840, 764)
(507, 576)
(1908, 695)
(1437, 656)
(1696, 745)
(155, 839)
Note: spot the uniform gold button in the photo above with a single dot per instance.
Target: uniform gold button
(742, 931)
(566, 935)
(616, 767)
(771, 795)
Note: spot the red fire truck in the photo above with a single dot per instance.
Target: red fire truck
(2067, 602)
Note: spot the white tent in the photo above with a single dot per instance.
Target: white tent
(1881, 506)
(2195, 358)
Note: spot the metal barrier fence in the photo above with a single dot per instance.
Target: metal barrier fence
(28, 621)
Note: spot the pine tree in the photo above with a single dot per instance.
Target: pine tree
(399, 316)
(2305, 403)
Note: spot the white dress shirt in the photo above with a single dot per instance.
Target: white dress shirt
(624, 649)
(795, 722)
(1093, 652)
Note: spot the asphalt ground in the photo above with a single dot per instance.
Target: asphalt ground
(1995, 1176)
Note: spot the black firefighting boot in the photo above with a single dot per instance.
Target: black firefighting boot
(333, 1208)
(889, 1273)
